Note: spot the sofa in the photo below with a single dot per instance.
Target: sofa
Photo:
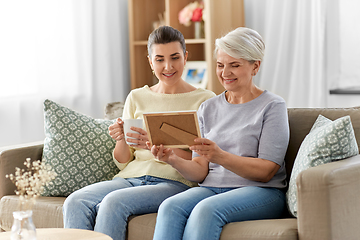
(328, 195)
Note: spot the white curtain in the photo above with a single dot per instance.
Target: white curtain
(294, 65)
(72, 52)
(343, 34)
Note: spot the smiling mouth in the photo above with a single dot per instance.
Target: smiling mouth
(169, 74)
(227, 81)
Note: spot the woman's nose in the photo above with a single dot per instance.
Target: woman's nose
(168, 66)
(226, 72)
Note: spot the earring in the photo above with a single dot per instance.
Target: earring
(153, 72)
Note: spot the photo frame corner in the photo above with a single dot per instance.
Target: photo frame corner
(196, 73)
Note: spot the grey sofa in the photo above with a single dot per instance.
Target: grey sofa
(328, 195)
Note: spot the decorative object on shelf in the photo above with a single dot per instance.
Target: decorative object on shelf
(195, 73)
(160, 22)
(193, 12)
(29, 185)
(199, 29)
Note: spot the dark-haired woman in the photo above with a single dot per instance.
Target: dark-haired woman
(143, 182)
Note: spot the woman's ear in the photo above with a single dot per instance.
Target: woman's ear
(186, 56)
(256, 66)
(150, 62)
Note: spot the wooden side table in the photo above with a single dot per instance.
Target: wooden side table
(63, 234)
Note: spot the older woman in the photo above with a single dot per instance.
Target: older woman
(239, 161)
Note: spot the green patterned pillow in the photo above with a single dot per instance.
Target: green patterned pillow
(78, 148)
(327, 141)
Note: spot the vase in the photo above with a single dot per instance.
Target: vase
(23, 227)
(199, 29)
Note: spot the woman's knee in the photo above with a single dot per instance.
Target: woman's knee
(176, 205)
(168, 205)
(73, 201)
(124, 201)
(205, 209)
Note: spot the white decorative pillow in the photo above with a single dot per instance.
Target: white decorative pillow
(327, 141)
(78, 148)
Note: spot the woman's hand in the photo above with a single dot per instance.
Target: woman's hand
(207, 149)
(161, 153)
(255, 169)
(194, 170)
(139, 139)
(116, 130)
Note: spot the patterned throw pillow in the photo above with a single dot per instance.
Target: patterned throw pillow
(78, 148)
(327, 141)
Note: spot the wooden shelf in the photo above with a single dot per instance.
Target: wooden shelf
(140, 43)
(355, 90)
(195, 41)
(221, 17)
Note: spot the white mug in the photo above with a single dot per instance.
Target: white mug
(132, 123)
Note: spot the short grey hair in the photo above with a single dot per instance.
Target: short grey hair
(242, 43)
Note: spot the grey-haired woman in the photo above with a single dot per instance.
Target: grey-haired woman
(239, 161)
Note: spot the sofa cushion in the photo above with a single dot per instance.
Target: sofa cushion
(77, 147)
(47, 212)
(142, 227)
(327, 141)
(270, 229)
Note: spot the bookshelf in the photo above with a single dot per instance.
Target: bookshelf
(221, 16)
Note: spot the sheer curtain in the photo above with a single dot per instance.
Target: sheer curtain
(294, 65)
(72, 52)
(343, 44)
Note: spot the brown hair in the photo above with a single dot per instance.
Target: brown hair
(163, 35)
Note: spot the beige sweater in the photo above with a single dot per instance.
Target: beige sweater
(143, 100)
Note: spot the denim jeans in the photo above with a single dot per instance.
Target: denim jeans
(201, 212)
(105, 206)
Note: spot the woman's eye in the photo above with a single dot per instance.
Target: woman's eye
(220, 66)
(235, 66)
(175, 58)
(159, 60)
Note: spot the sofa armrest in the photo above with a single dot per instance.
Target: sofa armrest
(328, 201)
(14, 156)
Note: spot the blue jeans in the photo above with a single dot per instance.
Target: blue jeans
(105, 206)
(201, 212)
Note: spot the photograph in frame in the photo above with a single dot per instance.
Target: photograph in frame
(195, 73)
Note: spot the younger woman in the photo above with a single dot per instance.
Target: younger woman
(143, 182)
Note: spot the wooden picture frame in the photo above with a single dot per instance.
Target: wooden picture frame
(195, 73)
(172, 129)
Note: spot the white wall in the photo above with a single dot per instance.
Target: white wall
(346, 100)
(343, 59)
